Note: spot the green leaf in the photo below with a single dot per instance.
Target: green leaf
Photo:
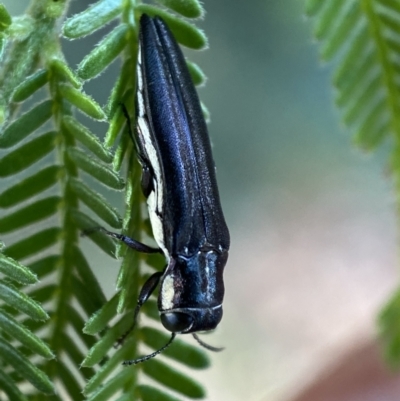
(20, 301)
(32, 213)
(112, 386)
(86, 138)
(187, 8)
(96, 203)
(45, 266)
(335, 41)
(76, 355)
(99, 171)
(117, 121)
(82, 102)
(107, 368)
(26, 124)
(94, 17)
(12, 391)
(69, 380)
(184, 32)
(61, 69)
(88, 278)
(100, 349)
(27, 154)
(85, 299)
(30, 85)
(196, 73)
(99, 320)
(85, 223)
(30, 186)
(179, 350)
(15, 271)
(33, 244)
(104, 53)
(5, 18)
(173, 379)
(25, 368)
(20, 333)
(150, 393)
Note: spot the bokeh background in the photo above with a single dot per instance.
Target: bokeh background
(312, 219)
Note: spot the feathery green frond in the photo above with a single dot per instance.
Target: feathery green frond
(364, 36)
(49, 159)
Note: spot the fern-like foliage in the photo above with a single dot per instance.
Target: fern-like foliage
(48, 162)
(365, 37)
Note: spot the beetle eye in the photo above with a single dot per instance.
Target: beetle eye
(176, 322)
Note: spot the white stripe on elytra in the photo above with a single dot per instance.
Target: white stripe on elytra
(155, 199)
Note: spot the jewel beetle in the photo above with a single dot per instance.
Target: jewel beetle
(179, 182)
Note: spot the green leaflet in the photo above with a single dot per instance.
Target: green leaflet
(118, 119)
(30, 186)
(69, 380)
(15, 271)
(150, 393)
(187, 8)
(196, 73)
(76, 355)
(99, 320)
(20, 301)
(102, 55)
(88, 278)
(86, 138)
(32, 213)
(97, 170)
(93, 18)
(364, 36)
(389, 326)
(108, 368)
(45, 266)
(82, 102)
(185, 33)
(8, 387)
(23, 157)
(61, 69)
(112, 386)
(86, 224)
(334, 41)
(26, 124)
(5, 18)
(100, 349)
(44, 293)
(33, 244)
(20, 333)
(77, 322)
(30, 86)
(173, 379)
(25, 368)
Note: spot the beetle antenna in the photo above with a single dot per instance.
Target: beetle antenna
(147, 357)
(205, 345)
(122, 339)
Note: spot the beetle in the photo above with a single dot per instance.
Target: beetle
(179, 182)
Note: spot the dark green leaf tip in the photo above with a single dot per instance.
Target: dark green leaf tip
(5, 18)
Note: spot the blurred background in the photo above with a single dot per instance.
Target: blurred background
(312, 219)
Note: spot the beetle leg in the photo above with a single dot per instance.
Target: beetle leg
(132, 243)
(147, 289)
